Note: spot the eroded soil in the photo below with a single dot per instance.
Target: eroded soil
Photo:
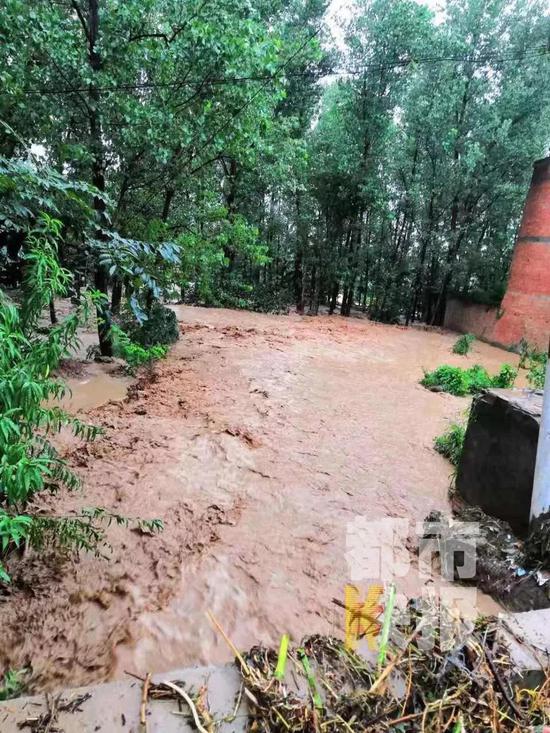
(257, 442)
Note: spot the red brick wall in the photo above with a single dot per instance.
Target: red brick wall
(525, 308)
(526, 304)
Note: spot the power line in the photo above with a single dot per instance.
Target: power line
(314, 75)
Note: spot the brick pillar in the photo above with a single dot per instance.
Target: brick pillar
(525, 307)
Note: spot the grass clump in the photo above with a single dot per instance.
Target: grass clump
(451, 443)
(13, 683)
(463, 344)
(461, 382)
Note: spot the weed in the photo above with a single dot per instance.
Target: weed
(134, 354)
(461, 382)
(535, 362)
(13, 683)
(463, 344)
(451, 442)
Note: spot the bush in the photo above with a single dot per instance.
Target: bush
(134, 354)
(13, 684)
(161, 327)
(506, 377)
(451, 443)
(463, 344)
(536, 374)
(460, 382)
(535, 362)
(29, 462)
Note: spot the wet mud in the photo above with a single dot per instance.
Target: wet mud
(257, 442)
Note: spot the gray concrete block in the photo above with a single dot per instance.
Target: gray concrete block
(116, 706)
(497, 467)
(527, 635)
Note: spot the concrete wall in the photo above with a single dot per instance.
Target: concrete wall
(467, 317)
(497, 466)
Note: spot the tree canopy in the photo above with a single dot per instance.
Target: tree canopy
(233, 153)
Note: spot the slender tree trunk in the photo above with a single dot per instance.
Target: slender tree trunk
(314, 298)
(334, 297)
(116, 296)
(53, 315)
(98, 177)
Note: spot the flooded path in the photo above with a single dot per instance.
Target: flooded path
(258, 442)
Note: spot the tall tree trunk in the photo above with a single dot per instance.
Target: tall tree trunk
(98, 176)
(334, 297)
(116, 296)
(314, 297)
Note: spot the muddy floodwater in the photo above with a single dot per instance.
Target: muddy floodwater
(259, 441)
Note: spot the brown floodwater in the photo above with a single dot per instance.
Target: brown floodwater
(259, 441)
(94, 390)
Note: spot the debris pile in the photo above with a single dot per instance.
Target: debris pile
(425, 680)
(514, 571)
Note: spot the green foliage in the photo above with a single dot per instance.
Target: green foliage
(160, 327)
(535, 362)
(463, 344)
(84, 531)
(31, 190)
(537, 372)
(134, 354)
(451, 442)
(29, 463)
(13, 683)
(461, 382)
(506, 377)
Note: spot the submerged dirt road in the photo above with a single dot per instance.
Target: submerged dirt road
(257, 442)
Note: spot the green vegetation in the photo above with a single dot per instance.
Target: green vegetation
(134, 354)
(241, 157)
(535, 362)
(536, 375)
(161, 327)
(463, 344)
(451, 442)
(461, 382)
(13, 683)
(30, 354)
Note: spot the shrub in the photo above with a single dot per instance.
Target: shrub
(451, 443)
(134, 354)
(13, 683)
(536, 374)
(463, 344)
(506, 377)
(535, 362)
(460, 382)
(29, 463)
(161, 327)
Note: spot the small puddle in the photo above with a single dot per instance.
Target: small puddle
(93, 390)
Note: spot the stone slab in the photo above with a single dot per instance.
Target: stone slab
(497, 467)
(115, 707)
(527, 635)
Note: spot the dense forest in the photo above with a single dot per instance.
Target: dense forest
(235, 154)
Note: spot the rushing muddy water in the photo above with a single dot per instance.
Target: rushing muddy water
(260, 441)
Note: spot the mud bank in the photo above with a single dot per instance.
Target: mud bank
(257, 442)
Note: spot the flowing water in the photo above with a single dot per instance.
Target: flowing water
(261, 442)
